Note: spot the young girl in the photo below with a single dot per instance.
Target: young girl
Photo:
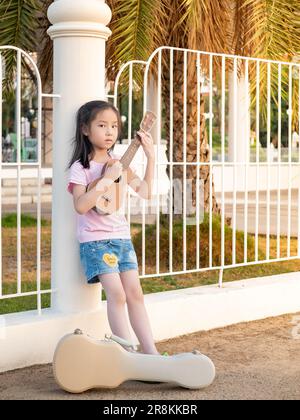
(106, 250)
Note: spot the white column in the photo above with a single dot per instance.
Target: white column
(79, 34)
(241, 119)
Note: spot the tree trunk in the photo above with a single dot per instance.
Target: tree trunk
(191, 132)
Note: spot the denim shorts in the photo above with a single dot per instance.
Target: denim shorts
(107, 256)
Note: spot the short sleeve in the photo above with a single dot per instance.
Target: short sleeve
(76, 176)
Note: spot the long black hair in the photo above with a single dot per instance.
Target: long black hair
(83, 148)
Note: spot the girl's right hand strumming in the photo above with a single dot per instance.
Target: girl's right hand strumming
(114, 171)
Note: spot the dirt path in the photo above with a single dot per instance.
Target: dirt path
(256, 360)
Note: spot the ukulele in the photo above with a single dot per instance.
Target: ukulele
(82, 362)
(112, 198)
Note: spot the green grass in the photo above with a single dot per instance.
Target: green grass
(24, 303)
(151, 284)
(9, 220)
(191, 244)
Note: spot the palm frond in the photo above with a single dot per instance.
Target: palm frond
(240, 28)
(275, 35)
(45, 49)
(201, 25)
(275, 27)
(18, 27)
(205, 24)
(136, 32)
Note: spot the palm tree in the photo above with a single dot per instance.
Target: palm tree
(261, 28)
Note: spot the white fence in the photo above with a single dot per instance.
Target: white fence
(235, 172)
(22, 57)
(241, 173)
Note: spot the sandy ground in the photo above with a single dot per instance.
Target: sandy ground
(255, 360)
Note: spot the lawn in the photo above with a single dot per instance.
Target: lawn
(149, 285)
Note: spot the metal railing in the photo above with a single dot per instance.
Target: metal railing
(217, 80)
(244, 168)
(22, 55)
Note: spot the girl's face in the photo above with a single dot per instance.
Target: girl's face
(103, 130)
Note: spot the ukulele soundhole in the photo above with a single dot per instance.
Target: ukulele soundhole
(118, 180)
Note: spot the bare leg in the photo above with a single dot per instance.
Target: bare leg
(116, 300)
(137, 311)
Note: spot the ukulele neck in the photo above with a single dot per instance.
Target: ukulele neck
(130, 153)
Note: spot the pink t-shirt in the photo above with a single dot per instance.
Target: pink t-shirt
(92, 226)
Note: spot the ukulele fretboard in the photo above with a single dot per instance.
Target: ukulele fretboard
(130, 153)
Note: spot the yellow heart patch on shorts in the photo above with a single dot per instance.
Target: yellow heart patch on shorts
(110, 259)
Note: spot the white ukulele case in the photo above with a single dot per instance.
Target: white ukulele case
(82, 362)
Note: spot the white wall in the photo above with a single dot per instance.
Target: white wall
(240, 178)
(30, 339)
